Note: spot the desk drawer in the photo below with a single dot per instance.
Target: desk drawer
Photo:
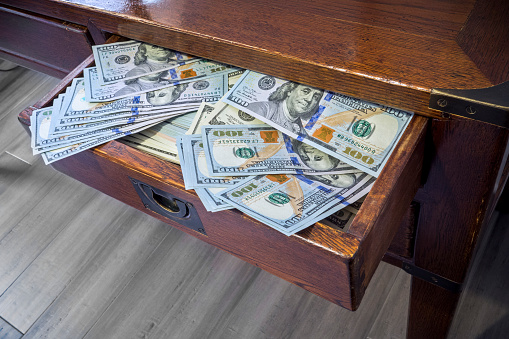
(333, 264)
(45, 44)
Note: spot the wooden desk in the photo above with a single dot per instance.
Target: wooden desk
(389, 53)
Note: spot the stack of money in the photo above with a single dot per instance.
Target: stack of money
(287, 154)
(284, 153)
(133, 88)
(160, 140)
(267, 175)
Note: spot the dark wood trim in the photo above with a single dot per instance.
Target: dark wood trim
(484, 38)
(33, 63)
(431, 310)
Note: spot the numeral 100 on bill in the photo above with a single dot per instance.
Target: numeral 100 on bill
(358, 155)
(244, 190)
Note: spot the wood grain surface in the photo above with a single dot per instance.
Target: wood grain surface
(8, 332)
(392, 53)
(484, 38)
(454, 202)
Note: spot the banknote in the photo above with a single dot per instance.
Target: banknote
(261, 149)
(222, 114)
(155, 151)
(41, 140)
(183, 121)
(355, 206)
(40, 121)
(359, 133)
(206, 195)
(80, 128)
(290, 203)
(78, 106)
(164, 134)
(196, 168)
(133, 59)
(55, 112)
(341, 220)
(234, 76)
(198, 70)
(210, 201)
(177, 109)
(160, 140)
(208, 108)
(173, 127)
(182, 158)
(79, 111)
(184, 98)
(142, 139)
(202, 114)
(67, 151)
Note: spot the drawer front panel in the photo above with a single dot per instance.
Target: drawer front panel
(41, 43)
(321, 270)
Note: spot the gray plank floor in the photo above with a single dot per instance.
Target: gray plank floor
(75, 263)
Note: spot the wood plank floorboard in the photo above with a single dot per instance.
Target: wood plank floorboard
(32, 234)
(19, 198)
(75, 263)
(19, 88)
(11, 169)
(8, 332)
(188, 289)
(52, 270)
(117, 255)
(391, 319)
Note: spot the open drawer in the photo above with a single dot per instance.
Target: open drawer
(333, 264)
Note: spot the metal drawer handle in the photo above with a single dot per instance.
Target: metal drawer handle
(169, 206)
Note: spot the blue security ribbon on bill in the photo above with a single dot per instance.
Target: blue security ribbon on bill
(315, 118)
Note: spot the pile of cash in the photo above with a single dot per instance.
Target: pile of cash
(286, 154)
(135, 87)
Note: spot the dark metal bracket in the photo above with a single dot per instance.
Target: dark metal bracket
(489, 104)
(432, 278)
(169, 206)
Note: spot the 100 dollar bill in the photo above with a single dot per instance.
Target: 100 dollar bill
(95, 92)
(132, 59)
(220, 113)
(261, 149)
(206, 195)
(360, 133)
(290, 203)
(74, 109)
(41, 140)
(196, 172)
(63, 152)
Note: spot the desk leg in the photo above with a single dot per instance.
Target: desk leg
(431, 310)
(466, 174)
